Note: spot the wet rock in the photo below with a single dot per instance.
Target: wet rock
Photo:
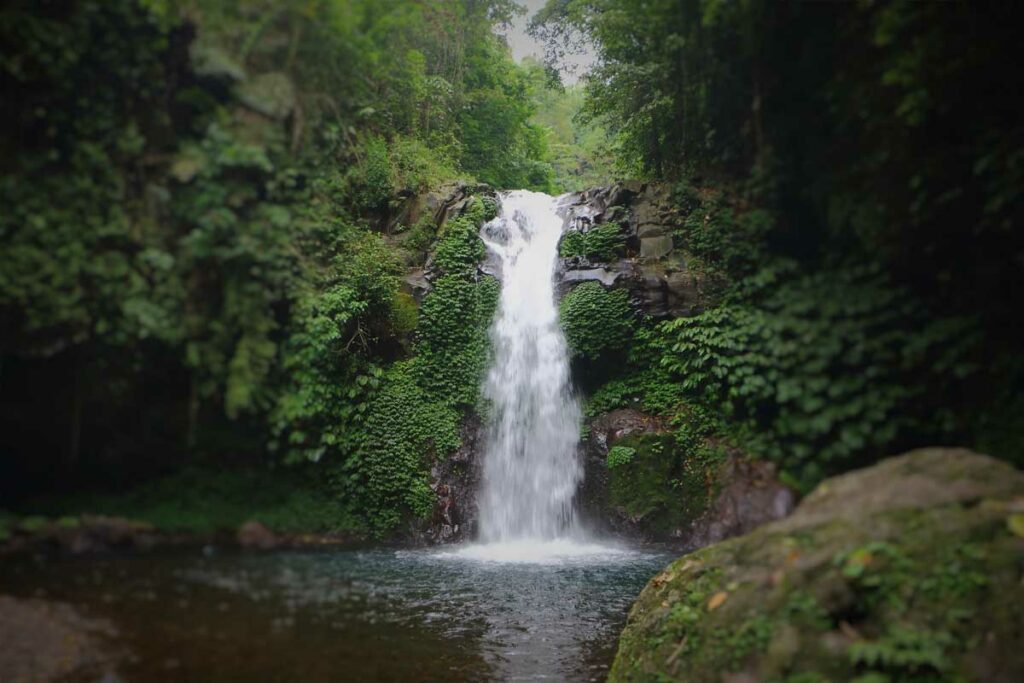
(253, 534)
(909, 568)
(655, 247)
(417, 284)
(456, 480)
(605, 276)
(749, 496)
(440, 205)
(48, 641)
(655, 271)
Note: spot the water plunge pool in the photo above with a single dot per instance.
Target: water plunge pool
(463, 613)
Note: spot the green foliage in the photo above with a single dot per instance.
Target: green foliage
(597, 322)
(415, 418)
(784, 196)
(826, 368)
(407, 429)
(204, 500)
(580, 154)
(603, 242)
(664, 480)
(371, 182)
(619, 455)
(452, 342)
(728, 242)
(201, 231)
(904, 651)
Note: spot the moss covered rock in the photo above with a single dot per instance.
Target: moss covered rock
(646, 479)
(910, 570)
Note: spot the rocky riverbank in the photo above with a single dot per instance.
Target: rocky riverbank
(88, 534)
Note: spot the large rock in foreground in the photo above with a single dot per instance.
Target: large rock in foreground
(910, 570)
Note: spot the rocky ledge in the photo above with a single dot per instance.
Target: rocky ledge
(642, 254)
(910, 570)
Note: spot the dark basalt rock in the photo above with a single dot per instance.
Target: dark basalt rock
(456, 481)
(654, 270)
(441, 204)
(750, 496)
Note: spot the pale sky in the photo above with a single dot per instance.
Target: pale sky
(523, 45)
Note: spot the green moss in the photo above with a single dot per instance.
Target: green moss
(662, 483)
(404, 313)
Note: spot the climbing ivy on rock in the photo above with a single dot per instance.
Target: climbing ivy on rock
(407, 429)
(825, 369)
(415, 419)
(597, 322)
(602, 242)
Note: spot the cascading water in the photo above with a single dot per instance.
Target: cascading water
(531, 471)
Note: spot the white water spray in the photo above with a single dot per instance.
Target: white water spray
(531, 470)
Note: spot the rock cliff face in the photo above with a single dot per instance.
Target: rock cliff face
(647, 264)
(665, 494)
(456, 481)
(431, 209)
(908, 570)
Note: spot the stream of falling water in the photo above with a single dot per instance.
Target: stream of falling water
(531, 470)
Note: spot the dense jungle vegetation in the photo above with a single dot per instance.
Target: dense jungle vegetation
(197, 264)
(848, 179)
(200, 267)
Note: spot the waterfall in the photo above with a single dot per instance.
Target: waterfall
(530, 468)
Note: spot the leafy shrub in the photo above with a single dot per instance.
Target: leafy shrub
(619, 455)
(416, 166)
(729, 242)
(600, 243)
(371, 181)
(414, 419)
(825, 369)
(596, 321)
(452, 342)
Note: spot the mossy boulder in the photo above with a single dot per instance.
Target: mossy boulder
(657, 487)
(678, 485)
(910, 570)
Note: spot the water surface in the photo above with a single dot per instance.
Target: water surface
(460, 614)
